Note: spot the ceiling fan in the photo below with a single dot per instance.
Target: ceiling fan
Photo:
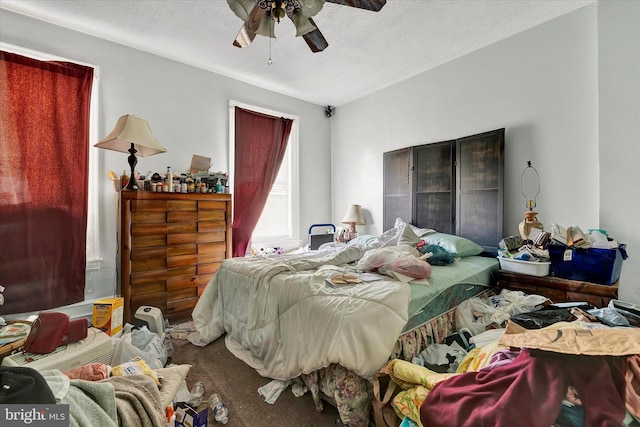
(258, 17)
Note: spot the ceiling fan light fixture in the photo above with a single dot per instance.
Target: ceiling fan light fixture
(258, 17)
(310, 8)
(278, 10)
(242, 8)
(266, 27)
(303, 24)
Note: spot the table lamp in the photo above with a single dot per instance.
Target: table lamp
(353, 217)
(132, 134)
(530, 188)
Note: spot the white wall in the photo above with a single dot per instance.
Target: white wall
(566, 91)
(619, 88)
(542, 86)
(187, 109)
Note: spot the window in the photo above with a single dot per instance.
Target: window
(279, 222)
(94, 260)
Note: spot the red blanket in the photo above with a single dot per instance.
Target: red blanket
(529, 391)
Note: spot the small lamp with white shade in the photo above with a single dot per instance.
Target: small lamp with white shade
(353, 217)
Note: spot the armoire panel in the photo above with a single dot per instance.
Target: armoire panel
(434, 211)
(454, 187)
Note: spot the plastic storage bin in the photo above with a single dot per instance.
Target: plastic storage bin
(532, 268)
(602, 266)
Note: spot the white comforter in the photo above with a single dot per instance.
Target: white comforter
(283, 319)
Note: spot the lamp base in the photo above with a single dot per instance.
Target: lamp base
(132, 185)
(530, 221)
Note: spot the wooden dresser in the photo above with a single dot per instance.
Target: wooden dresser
(558, 289)
(171, 244)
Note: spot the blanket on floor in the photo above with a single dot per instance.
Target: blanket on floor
(126, 401)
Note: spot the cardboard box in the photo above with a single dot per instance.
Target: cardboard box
(108, 314)
(186, 416)
(601, 266)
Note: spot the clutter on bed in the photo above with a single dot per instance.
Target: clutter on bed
(264, 304)
(395, 261)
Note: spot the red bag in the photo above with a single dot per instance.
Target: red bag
(47, 332)
(76, 331)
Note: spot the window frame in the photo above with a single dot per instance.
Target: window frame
(292, 240)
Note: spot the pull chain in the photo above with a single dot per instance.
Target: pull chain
(269, 62)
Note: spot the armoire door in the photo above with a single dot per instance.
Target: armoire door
(479, 188)
(397, 187)
(434, 193)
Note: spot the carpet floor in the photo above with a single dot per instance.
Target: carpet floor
(237, 383)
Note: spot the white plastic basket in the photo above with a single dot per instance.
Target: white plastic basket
(525, 267)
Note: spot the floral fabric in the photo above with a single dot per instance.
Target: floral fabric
(352, 394)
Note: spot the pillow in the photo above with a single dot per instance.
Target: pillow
(455, 245)
(365, 240)
(172, 378)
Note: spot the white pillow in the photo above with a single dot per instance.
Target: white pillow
(172, 378)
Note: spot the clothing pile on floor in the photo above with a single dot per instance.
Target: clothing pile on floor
(552, 367)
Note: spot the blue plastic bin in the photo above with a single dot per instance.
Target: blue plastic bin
(602, 266)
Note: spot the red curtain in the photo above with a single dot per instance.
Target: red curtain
(261, 142)
(44, 143)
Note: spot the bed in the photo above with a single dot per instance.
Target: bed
(281, 316)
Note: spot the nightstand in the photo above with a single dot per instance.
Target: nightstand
(558, 289)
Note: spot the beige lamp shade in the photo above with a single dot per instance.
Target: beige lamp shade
(353, 217)
(132, 135)
(132, 130)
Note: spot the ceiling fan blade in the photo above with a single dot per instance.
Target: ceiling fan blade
(315, 40)
(373, 5)
(250, 28)
(244, 38)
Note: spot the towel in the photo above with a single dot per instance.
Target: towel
(138, 401)
(90, 403)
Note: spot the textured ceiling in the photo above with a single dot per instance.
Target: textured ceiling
(367, 50)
